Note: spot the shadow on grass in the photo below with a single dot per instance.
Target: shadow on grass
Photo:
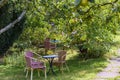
(79, 70)
(11, 73)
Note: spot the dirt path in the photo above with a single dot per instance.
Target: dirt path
(111, 71)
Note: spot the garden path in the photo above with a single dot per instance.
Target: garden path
(112, 70)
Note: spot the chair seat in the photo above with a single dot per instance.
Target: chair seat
(38, 67)
(58, 63)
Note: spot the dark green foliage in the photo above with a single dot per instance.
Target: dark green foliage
(92, 1)
(91, 29)
(8, 13)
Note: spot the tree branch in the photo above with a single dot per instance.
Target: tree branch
(13, 23)
(98, 5)
(3, 2)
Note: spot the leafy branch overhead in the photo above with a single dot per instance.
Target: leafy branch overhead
(84, 3)
(87, 24)
(13, 23)
(3, 2)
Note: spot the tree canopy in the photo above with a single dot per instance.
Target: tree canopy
(86, 24)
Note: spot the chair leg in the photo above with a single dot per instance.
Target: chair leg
(59, 68)
(27, 73)
(46, 51)
(62, 68)
(25, 69)
(45, 73)
(31, 73)
(67, 67)
(38, 72)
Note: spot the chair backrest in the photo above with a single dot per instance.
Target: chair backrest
(61, 55)
(29, 53)
(28, 56)
(48, 44)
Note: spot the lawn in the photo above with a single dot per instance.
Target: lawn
(79, 70)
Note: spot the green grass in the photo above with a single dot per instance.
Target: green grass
(79, 70)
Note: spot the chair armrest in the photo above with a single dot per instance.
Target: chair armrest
(37, 55)
(33, 59)
(40, 58)
(63, 55)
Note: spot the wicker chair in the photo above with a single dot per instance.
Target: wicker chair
(48, 45)
(33, 63)
(60, 62)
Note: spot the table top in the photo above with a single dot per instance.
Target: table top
(50, 56)
(54, 41)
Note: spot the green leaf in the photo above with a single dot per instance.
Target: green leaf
(83, 38)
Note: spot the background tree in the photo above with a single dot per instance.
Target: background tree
(88, 25)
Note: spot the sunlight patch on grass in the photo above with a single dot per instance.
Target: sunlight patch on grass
(71, 53)
(82, 76)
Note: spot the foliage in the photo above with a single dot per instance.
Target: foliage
(8, 13)
(16, 59)
(90, 27)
